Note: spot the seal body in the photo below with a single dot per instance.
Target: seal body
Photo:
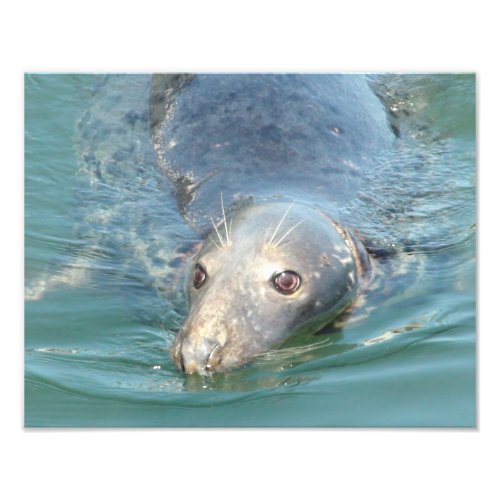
(261, 165)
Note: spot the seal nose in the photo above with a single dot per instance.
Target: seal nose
(202, 359)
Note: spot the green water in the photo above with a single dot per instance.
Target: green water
(97, 339)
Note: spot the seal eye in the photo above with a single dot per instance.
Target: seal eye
(199, 276)
(286, 282)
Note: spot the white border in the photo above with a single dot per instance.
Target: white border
(239, 36)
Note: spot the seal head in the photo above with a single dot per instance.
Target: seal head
(272, 271)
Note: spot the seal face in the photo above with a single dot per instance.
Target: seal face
(269, 272)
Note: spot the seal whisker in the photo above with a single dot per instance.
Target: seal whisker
(267, 234)
(224, 216)
(280, 222)
(217, 231)
(288, 232)
(214, 242)
(177, 322)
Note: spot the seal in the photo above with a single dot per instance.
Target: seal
(286, 153)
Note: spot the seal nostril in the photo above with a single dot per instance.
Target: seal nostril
(214, 358)
(181, 362)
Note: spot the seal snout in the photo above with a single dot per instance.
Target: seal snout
(202, 358)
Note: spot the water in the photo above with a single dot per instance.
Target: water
(98, 253)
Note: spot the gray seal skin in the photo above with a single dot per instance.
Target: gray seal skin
(272, 158)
